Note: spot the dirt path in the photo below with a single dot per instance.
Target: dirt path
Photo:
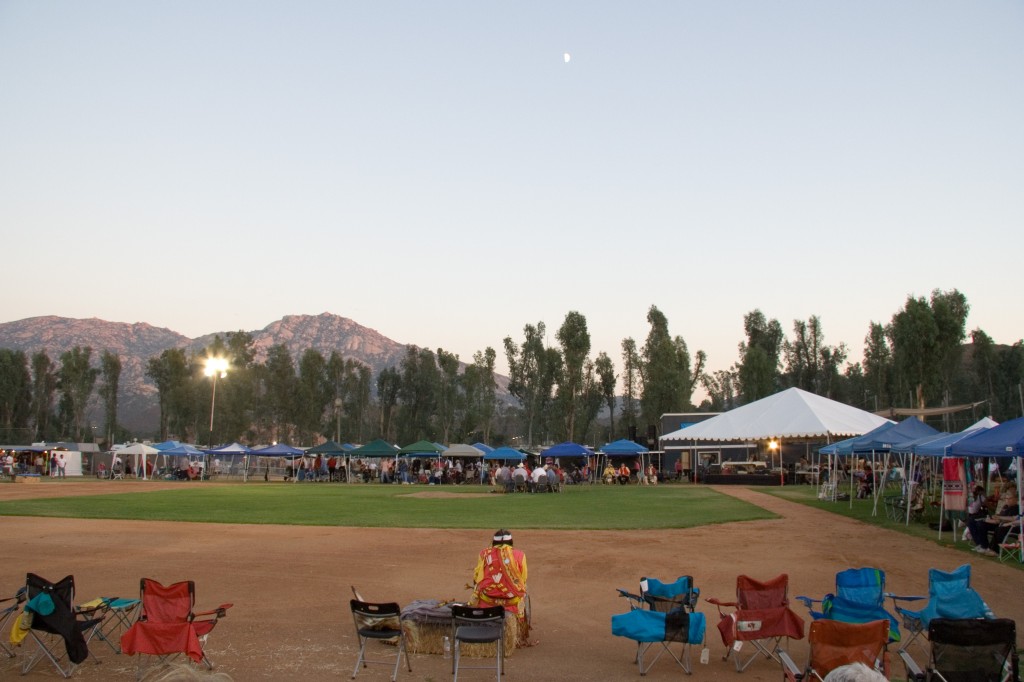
(290, 585)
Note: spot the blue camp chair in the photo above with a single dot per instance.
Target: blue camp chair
(649, 628)
(859, 598)
(950, 595)
(658, 596)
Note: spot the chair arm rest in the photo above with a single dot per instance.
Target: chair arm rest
(789, 668)
(719, 604)
(914, 671)
(807, 601)
(219, 612)
(895, 597)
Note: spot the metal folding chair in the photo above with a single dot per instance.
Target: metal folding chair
(478, 625)
(380, 622)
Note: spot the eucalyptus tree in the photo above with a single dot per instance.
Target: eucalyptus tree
(389, 383)
(926, 339)
(44, 388)
(76, 380)
(280, 390)
(451, 403)
(878, 365)
(983, 364)
(357, 397)
(666, 374)
(630, 384)
(606, 384)
(722, 388)
(574, 338)
(236, 393)
(589, 403)
(314, 395)
(479, 389)
(110, 371)
(15, 395)
(759, 356)
(171, 371)
(418, 394)
(811, 364)
(532, 372)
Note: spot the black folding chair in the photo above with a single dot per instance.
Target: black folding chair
(380, 622)
(969, 650)
(478, 625)
(55, 620)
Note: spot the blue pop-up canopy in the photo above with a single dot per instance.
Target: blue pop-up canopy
(567, 449)
(623, 447)
(505, 452)
(279, 450)
(1005, 440)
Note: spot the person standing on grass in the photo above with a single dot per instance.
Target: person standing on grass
(62, 465)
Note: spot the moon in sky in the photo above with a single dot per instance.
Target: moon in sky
(566, 56)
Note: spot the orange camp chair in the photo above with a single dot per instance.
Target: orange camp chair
(168, 625)
(762, 617)
(834, 643)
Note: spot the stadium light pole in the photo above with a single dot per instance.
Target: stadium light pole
(215, 368)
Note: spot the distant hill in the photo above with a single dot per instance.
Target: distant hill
(136, 343)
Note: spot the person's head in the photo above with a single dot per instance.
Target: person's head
(502, 537)
(854, 672)
(979, 490)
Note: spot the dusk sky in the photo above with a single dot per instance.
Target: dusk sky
(441, 172)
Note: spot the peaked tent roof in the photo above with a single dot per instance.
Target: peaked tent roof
(183, 449)
(483, 446)
(137, 449)
(166, 445)
(889, 435)
(567, 449)
(376, 448)
(279, 450)
(793, 413)
(463, 450)
(328, 448)
(422, 447)
(505, 452)
(623, 446)
(1005, 440)
(230, 449)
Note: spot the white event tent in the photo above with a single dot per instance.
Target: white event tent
(789, 414)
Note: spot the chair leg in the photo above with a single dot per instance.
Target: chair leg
(362, 651)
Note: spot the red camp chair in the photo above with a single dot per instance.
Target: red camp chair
(168, 625)
(761, 617)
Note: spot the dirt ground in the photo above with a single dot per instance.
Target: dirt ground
(290, 585)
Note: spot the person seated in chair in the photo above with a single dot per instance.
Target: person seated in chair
(610, 472)
(999, 524)
(623, 474)
(867, 482)
(500, 579)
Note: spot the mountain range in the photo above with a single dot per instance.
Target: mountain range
(136, 343)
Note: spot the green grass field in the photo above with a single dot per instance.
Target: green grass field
(391, 506)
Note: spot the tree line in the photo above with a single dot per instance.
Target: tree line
(558, 391)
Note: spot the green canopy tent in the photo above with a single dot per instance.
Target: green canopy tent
(329, 449)
(421, 448)
(376, 448)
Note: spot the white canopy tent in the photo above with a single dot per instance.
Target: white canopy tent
(140, 451)
(793, 413)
